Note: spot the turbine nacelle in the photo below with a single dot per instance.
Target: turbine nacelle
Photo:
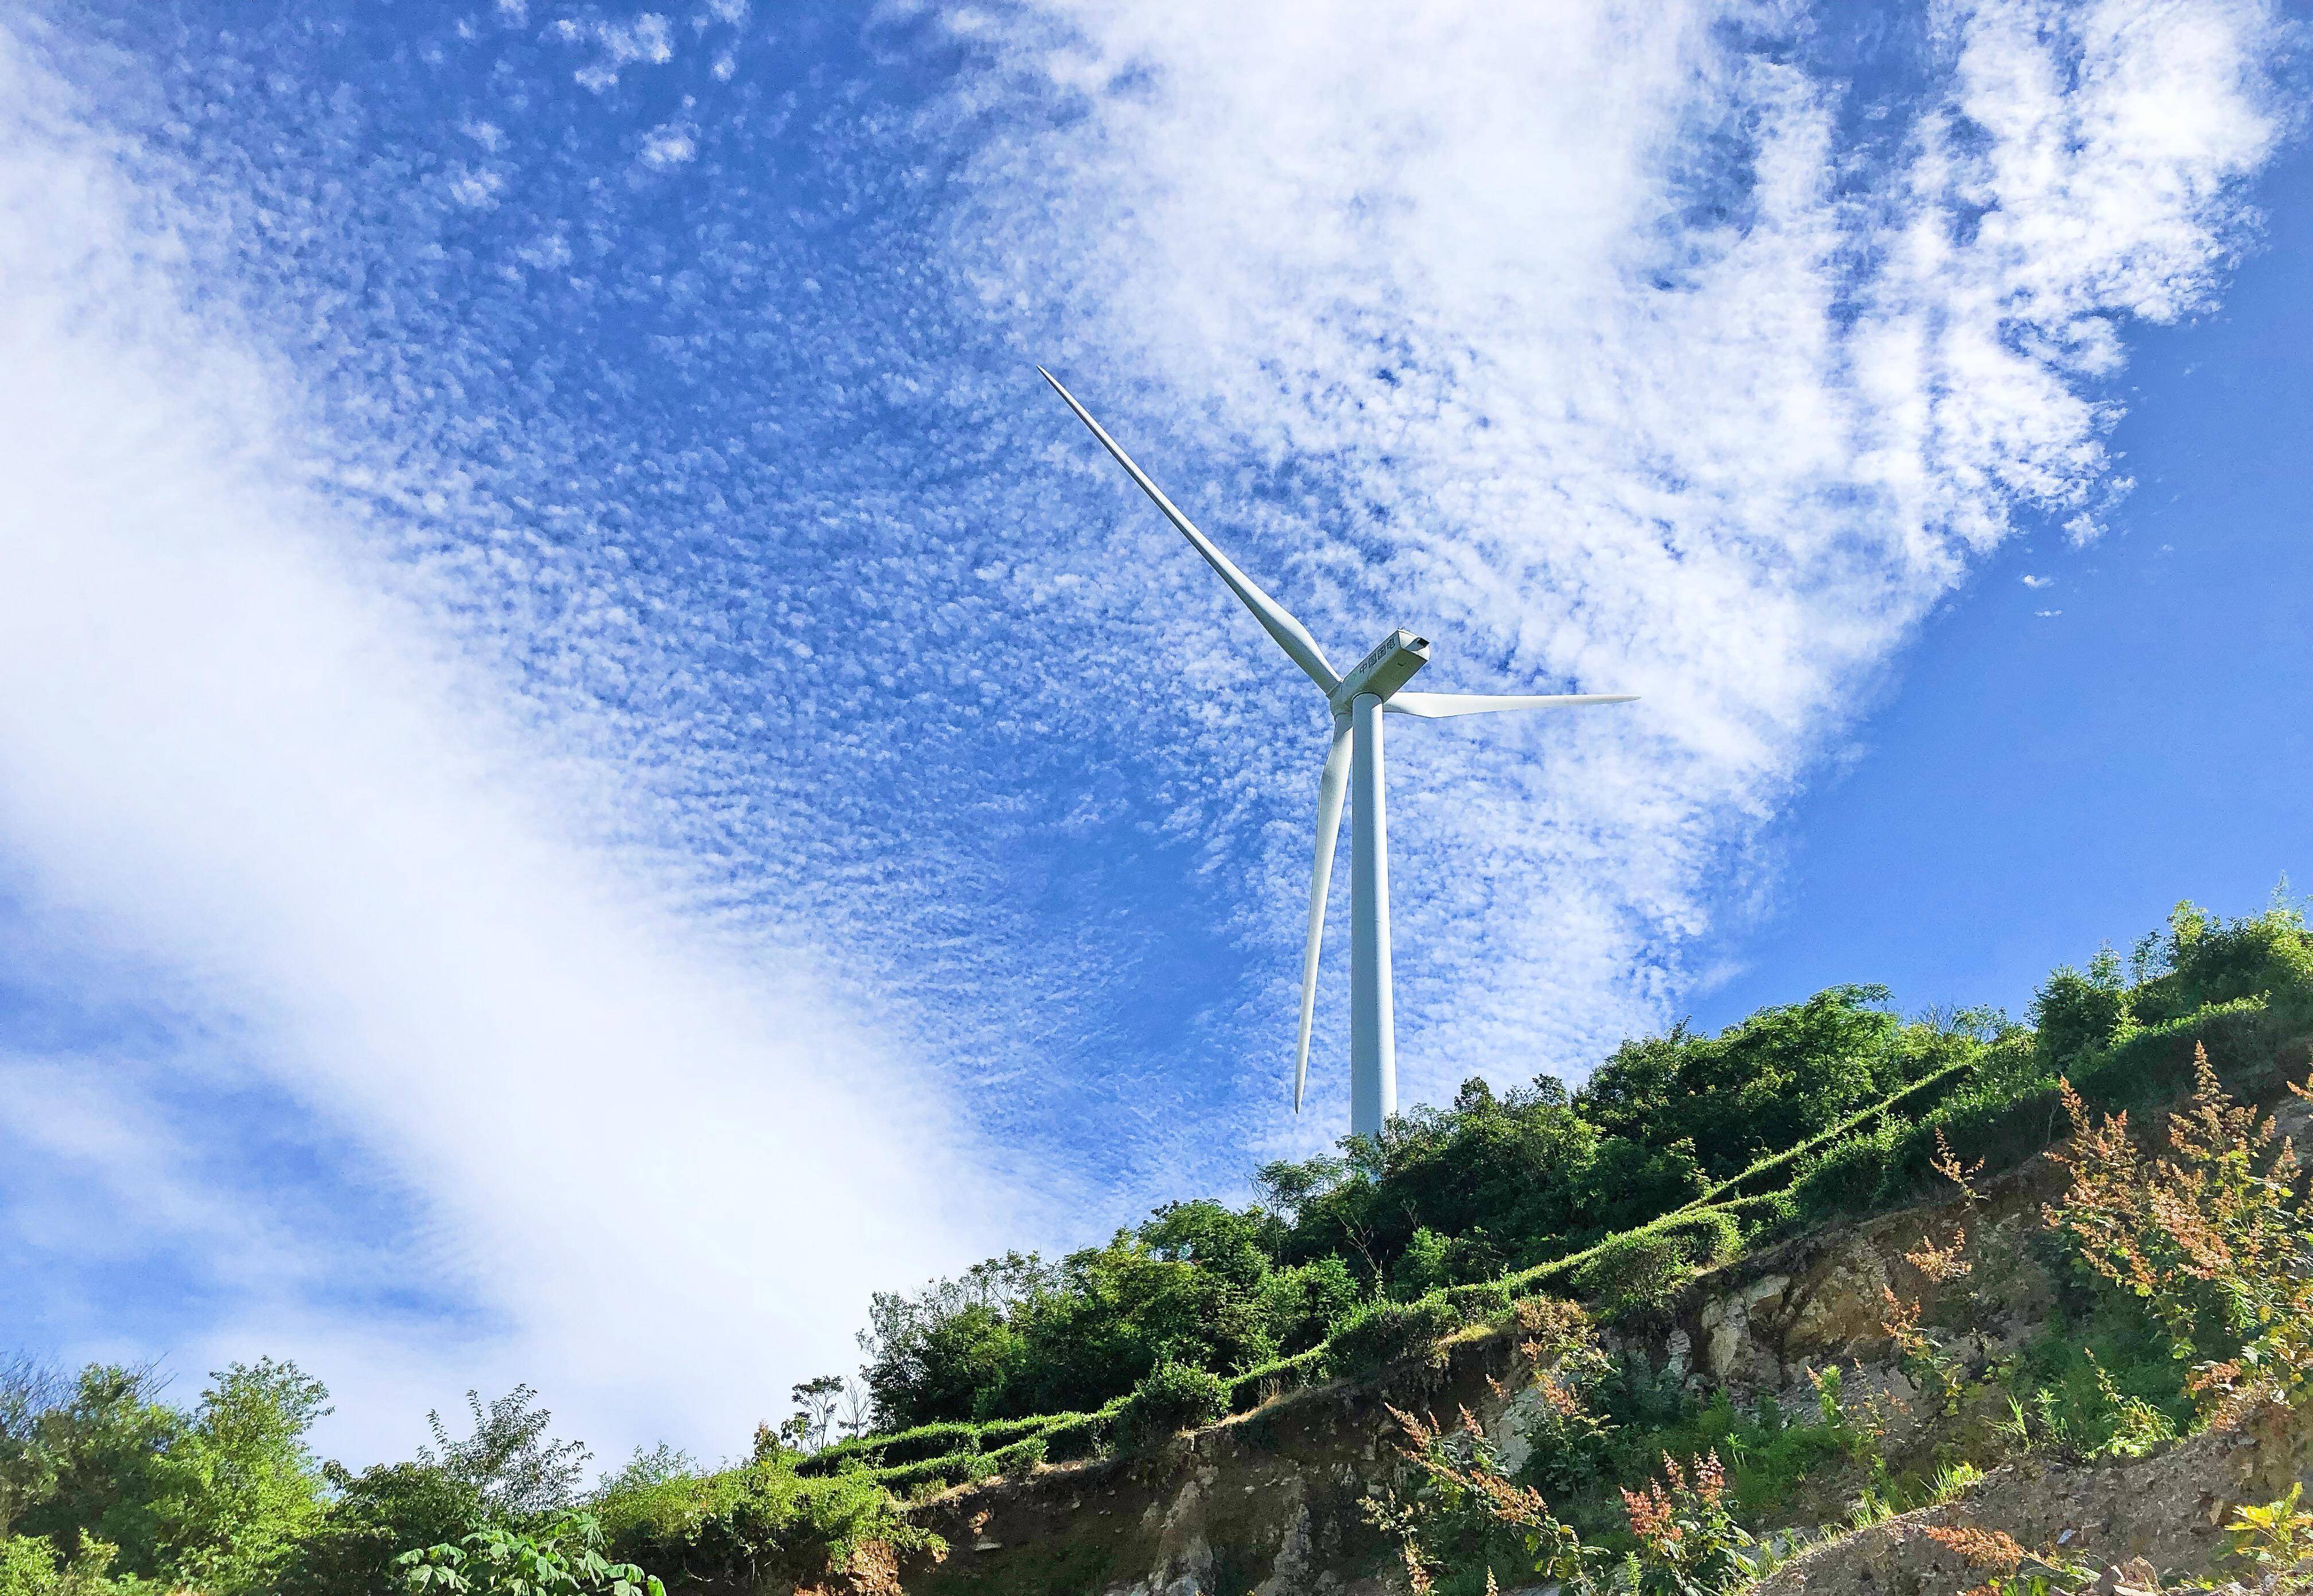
(1381, 673)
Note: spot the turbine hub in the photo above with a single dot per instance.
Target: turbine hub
(1381, 671)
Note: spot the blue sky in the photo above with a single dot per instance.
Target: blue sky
(595, 770)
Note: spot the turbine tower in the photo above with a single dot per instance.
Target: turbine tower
(1359, 701)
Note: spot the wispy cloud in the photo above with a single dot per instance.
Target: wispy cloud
(247, 778)
(1616, 348)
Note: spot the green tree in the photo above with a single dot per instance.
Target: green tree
(509, 1459)
(1769, 1082)
(244, 1488)
(105, 1455)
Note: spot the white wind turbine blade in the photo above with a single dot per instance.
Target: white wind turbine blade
(1440, 706)
(1333, 786)
(1291, 634)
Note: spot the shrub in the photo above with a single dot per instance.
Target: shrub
(1022, 1457)
(1173, 1398)
(2078, 1011)
(1480, 1299)
(763, 1522)
(1079, 1435)
(1856, 1173)
(1642, 1272)
(1710, 1237)
(1382, 1333)
(563, 1559)
(2213, 1240)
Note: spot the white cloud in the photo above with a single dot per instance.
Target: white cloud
(475, 188)
(1594, 406)
(646, 39)
(2031, 581)
(241, 759)
(667, 147)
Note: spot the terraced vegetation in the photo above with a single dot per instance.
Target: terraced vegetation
(1681, 1151)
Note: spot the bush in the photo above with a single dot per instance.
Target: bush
(1173, 1398)
(1855, 1173)
(1480, 1300)
(2078, 1011)
(1079, 1435)
(1381, 1333)
(761, 1523)
(1642, 1273)
(1022, 1457)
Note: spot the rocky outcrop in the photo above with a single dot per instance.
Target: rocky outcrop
(2164, 1512)
(1268, 1503)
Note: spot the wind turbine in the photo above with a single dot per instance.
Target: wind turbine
(1357, 701)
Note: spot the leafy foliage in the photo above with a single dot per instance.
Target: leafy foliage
(562, 1558)
(508, 1461)
(758, 1521)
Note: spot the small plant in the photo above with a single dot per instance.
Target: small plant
(1465, 1521)
(1954, 1481)
(2212, 1240)
(1932, 1369)
(1689, 1543)
(2006, 1560)
(1569, 1442)
(2274, 1537)
(564, 1559)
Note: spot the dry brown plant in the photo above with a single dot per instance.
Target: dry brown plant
(2213, 1238)
(1983, 1549)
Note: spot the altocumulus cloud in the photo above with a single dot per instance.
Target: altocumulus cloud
(593, 640)
(1622, 347)
(246, 782)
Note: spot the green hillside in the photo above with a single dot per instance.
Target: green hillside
(1680, 1152)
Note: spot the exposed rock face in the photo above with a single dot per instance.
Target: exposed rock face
(1268, 1503)
(2164, 1511)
